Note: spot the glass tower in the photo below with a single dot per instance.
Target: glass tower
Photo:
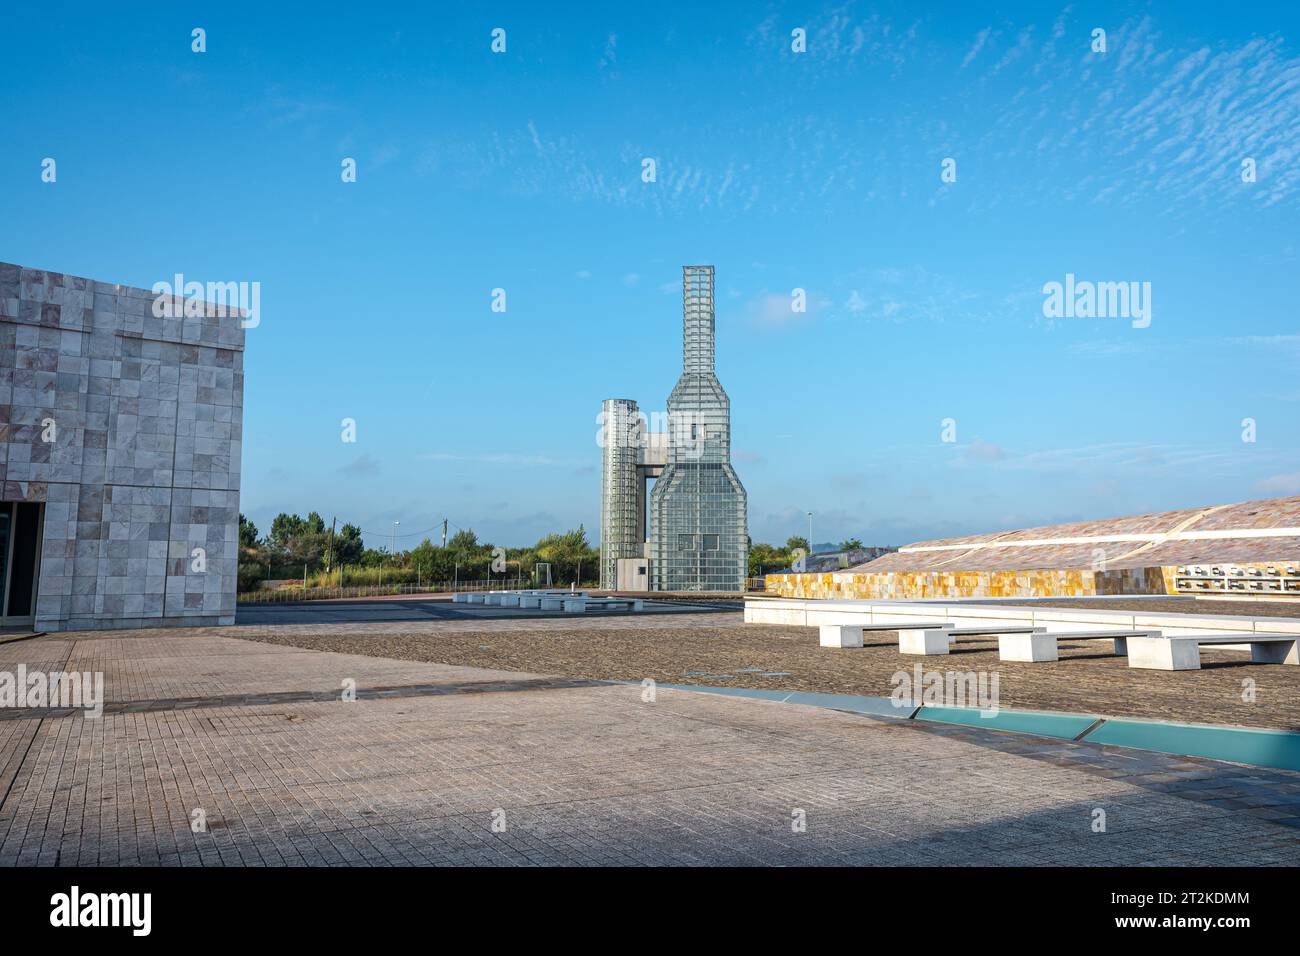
(698, 527)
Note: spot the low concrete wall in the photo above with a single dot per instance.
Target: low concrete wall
(813, 613)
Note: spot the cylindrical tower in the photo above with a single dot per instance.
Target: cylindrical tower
(622, 429)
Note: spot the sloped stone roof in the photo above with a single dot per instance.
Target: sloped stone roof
(1239, 533)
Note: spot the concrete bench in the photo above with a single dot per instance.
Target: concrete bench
(554, 600)
(938, 640)
(1183, 653)
(579, 605)
(1043, 647)
(503, 598)
(523, 599)
(850, 635)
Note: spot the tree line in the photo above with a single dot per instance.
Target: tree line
(296, 546)
(770, 559)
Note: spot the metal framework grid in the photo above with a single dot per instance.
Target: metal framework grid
(698, 507)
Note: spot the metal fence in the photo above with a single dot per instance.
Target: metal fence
(290, 595)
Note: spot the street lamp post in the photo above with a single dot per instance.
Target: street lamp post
(810, 544)
(395, 524)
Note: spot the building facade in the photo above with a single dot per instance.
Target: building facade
(697, 537)
(120, 442)
(1249, 549)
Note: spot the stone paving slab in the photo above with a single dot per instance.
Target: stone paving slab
(158, 667)
(588, 775)
(719, 650)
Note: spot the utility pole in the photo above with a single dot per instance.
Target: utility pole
(444, 532)
(329, 549)
(810, 545)
(395, 524)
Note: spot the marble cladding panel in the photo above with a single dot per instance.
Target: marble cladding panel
(898, 585)
(129, 428)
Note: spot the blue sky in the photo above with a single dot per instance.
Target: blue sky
(817, 170)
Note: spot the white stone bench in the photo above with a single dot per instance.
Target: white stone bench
(579, 605)
(938, 640)
(1044, 647)
(475, 597)
(850, 635)
(460, 597)
(1183, 653)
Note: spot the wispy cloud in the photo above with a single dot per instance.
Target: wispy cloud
(1280, 484)
(1149, 120)
(981, 38)
(502, 458)
(981, 450)
(361, 467)
(1023, 44)
(1107, 348)
(775, 309)
(280, 106)
(1119, 457)
(913, 294)
(609, 57)
(1288, 343)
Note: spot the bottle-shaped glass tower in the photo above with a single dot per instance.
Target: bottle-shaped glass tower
(698, 527)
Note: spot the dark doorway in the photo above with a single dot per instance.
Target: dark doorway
(20, 548)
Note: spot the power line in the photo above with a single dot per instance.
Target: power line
(415, 534)
(440, 527)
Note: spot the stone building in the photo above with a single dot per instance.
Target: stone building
(120, 432)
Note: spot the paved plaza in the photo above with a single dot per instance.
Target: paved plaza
(715, 648)
(442, 764)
